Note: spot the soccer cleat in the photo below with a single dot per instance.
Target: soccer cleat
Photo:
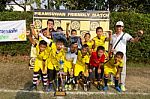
(76, 87)
(123, 88)
(66, 87)
(45, 88)
(105, 88)
(118, 89)
(99, 87)
(85, 87)
(69, 87)
(50, 87)
(88, 85)
(33, 87)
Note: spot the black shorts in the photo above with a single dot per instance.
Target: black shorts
(52, 74)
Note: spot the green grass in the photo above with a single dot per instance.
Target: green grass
(24, 95)
(133, 64)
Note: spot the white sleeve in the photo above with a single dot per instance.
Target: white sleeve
(68, 49)
(128, 36)
(44, 38)
(75, 59)
(111, 41)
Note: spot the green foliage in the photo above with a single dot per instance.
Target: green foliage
(133, 22)
(130, 5)
(3, 5)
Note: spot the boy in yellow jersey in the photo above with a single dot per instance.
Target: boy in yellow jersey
(89, 42)
(70, 61)
(40, 67)
(113, 66)
(81, 64)
(100, 39)
(56, 54)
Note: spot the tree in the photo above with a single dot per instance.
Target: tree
(3, 5)
(23, 3)
(77, 4)
(129, 5)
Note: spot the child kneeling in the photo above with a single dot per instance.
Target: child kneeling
(113, 66)
(81, 65)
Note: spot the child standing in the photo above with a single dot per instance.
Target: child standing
(89, 42)
(100, 39)
(70, 61)
(40, 67)
(56, 54)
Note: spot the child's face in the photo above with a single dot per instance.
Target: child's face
(84, 51)
(87, 37)
(100, 53)
(74, 33)
(42, 47)
(73, 48)
(99, 32)
(59, 45)
(117, 58)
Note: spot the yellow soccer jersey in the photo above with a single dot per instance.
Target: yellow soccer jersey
(111, 66)
(99, 41)
(89, 43)
(55, 57)
(82, 60)
(81, 64)
(41, 57)
(111, 63)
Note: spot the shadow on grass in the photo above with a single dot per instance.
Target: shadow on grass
(27, 95)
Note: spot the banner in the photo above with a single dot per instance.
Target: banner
(12, 30)
(82, 21)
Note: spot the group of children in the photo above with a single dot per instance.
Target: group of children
(74, 61)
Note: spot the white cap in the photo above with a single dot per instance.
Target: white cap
(120, 23)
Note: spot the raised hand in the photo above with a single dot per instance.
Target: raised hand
(140, 32)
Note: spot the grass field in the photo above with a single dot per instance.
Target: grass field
(15, 75)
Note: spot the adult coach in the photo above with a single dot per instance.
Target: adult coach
(118, 43)
(49, 29)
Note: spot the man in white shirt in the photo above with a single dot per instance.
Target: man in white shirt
(119, 43)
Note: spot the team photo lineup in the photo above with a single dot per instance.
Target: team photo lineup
(66, 61)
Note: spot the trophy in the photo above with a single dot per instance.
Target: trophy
(60, 82)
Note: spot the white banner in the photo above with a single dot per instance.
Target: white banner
(13, 30)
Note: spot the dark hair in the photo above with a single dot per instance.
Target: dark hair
(100, 48)
(73, 43)
(84, 46)
(60, 28)
(73, 30)
(60, 40)
(50, 20)
(120, 54)
(99, 28)
(87, 34)
(42, 42)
